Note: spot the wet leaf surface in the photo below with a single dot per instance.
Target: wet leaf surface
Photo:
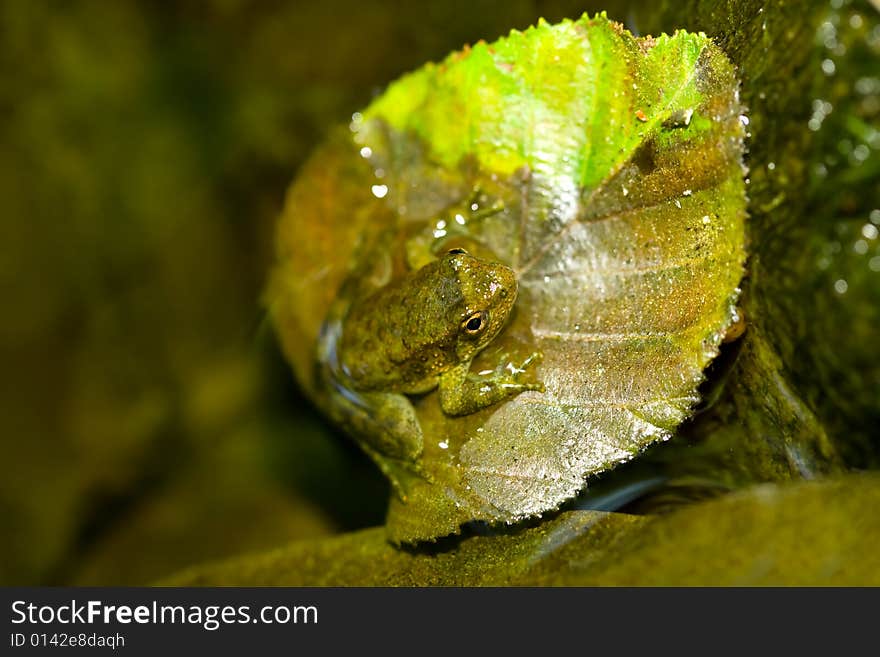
(613, 170)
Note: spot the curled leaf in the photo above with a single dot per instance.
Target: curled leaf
(606, 171)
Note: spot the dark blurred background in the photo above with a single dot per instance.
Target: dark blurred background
(148, 420)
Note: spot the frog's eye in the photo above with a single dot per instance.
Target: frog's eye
(457, 251)
(475, 323)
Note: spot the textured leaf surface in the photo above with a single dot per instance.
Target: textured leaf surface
(613, 167)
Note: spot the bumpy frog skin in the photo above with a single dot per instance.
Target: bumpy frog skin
(417, 333)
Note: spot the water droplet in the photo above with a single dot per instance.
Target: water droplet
(828, 67)
(379, 191)
(474, 207)
(678, 204)
(443, 444)
(743, 119)
(625, 191)
(840, 286)
(828, 34)
(860, 153)
(686, 192)
(823, 107)
(459, 219)
(869, 231)
(771, 166)
(875, 216)
(706, 219)
(860, 247)
(867, 86)
(366, 151)
(874, 263)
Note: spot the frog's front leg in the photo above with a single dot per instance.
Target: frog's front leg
(462, 393)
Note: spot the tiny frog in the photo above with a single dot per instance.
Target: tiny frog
(412, 335)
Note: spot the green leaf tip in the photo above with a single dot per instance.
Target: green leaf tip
(484, 101)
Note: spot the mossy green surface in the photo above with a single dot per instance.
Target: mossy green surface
(809, 534)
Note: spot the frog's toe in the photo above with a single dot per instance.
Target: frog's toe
(404, 474)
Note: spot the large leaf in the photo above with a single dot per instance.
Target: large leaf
(613, 167)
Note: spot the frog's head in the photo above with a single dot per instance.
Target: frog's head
(488, 292)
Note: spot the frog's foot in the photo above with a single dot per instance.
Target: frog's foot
(386, 426)
(462, 393)
(403, 475)
(387, 421)
(508, 369)
(391, 426)
(393, 437)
